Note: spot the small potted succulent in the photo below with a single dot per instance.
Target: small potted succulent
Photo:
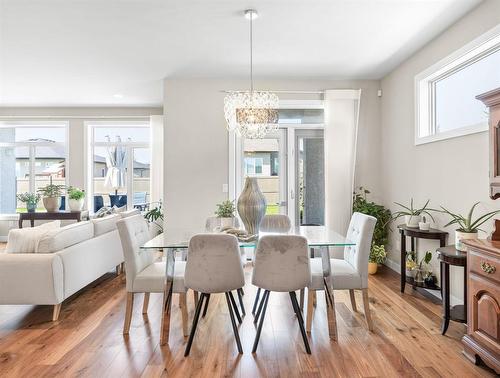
(377, 256)
(76, 198)
(226, 212)
(30, 199)
(412, 214)
(51, 196)
(467, 226)
(424, 225)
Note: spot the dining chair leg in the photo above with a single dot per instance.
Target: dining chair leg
(259, 310)
(240, 299)
(310, 308)
(301, 299)
(184, 313)
(237, 312)
(145, 304)
(296, 307)
(265, 298)
(233, 323)
(206, 305)
(195, 324)
(195, 298)
(256, 301)
(353, 300)
(366, 306)
(128, 313)
(315, 300)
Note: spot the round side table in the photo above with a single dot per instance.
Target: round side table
(450, 256)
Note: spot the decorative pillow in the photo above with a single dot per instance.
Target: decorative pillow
(105, 211)
(64, 237)
(105, 224)
(25, 240)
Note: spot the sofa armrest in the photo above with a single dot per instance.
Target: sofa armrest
(31, 278)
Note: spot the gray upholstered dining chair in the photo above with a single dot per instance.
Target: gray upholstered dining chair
(349, 273)
(214, 266)
(281, 265)
(143, 273)
(278, 223)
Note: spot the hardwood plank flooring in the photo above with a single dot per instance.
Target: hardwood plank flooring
(87, 339)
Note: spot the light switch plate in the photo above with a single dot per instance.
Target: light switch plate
(225, 188)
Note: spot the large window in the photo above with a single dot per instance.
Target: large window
(119, 165)
(446, 106)
(31, 155)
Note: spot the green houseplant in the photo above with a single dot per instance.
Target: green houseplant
(76, 198)
(225, 212)
(155, 218)
(361, 204)
(468, 226)
(30, 199)
(51, 196)
(412, 214)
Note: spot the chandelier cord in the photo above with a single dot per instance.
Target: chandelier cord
(251, 53)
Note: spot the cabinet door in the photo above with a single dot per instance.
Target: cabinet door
(485, 311)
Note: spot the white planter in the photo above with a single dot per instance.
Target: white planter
(75, 205)
(459, 236)
(226, 222)
(424, 226)
(412, 220)
(51, 204)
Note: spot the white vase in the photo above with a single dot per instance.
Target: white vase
(51, 204)
(226, 222)
(424, 226)
(75, 205)
(459, 236)
(412, 220)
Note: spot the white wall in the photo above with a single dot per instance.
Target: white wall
(196, 143)
(453, 172)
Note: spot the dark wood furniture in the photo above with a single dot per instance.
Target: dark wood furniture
(449, 255)
(492, 100)
(58, 215)
(416, 233)
(482, 341)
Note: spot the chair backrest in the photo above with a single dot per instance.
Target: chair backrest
(134, 232)
(275, 223)
(282, 263)
(360, 232)
(213, 264)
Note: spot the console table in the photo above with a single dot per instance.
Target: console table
(57, 215)
(451, 256)
(416, 233)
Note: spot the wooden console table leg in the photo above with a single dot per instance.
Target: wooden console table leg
(403, 262)
(445, 282)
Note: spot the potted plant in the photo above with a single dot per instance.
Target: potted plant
(468, 227)
(423, 267)
(412, 214)
(30, 199)
(424, 225)
(76, 197)
(411, 263)
(155, 219)
(225, 212)
(362, 205)
(51, 196)
(377, 256)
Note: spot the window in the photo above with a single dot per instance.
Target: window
(446, 106)
(31, 155)
(119, 165)
(253, 166)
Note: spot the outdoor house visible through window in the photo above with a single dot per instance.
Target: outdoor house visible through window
(116, 149)
(445, 93)
(30, 156)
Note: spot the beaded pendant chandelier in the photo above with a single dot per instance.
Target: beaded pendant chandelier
(251, 114)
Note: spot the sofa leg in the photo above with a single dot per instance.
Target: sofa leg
(56, 311)
(128, 313)
(145, 304)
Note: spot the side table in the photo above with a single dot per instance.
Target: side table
(57, 215)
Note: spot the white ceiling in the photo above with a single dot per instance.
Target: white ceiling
(85, 52)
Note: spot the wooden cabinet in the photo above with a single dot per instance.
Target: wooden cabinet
(492, 100)
(482, 341)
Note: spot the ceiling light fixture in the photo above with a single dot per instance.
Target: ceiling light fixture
(251, 114)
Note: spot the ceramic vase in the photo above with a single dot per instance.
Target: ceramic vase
(412, 220)
(52, 204)
(251, 206)
(372, 268)
(459, 236)
(76, 205)
(31, 207)
(226, 222)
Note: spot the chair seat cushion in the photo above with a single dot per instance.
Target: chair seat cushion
(152, 278)
(344, 276)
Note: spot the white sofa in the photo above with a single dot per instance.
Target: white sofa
(67, 259)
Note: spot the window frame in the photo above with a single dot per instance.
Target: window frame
(425, 82)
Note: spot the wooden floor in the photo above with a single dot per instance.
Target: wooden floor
(87, 340)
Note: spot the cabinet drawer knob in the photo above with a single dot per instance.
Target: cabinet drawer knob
(488, 268)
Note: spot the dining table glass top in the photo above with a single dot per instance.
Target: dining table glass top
(317, 236)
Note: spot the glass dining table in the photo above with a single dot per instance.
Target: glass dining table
(317, 237)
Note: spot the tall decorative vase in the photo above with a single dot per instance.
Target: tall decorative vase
(251, 205)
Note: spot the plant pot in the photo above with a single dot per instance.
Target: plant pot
(372, 268)
(226, 223)
(51, 204)
(76, 205)
(251, 206)
(419, 275)
(459, 236)
(410, 273)
(412, 220)
(31, 207)
(424, 226)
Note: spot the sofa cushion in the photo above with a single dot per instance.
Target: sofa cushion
(64, 237)
(24, 240)
(129, 213)
(106, 224)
